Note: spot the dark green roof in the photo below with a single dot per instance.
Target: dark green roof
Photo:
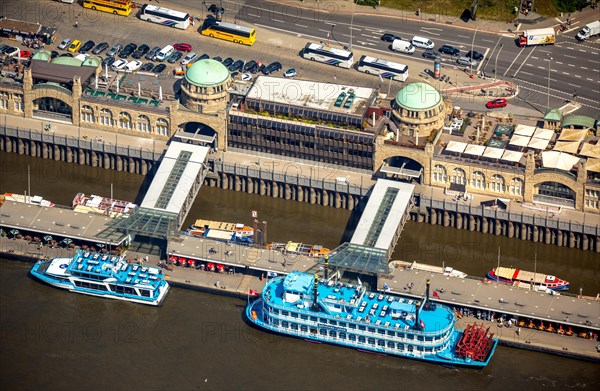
(578, 120)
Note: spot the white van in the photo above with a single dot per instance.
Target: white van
(402, 46)
(164, 53)
(422, 43)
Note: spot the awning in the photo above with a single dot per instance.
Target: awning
(475, 150)
(544, 133)
(520, 141)
(456, 146)
(493, 153)
(60, 73)
(572, 135)
(525, 130)
(567, 146)
(512, 156)
(558, 160)
(538, 143)
(590, 150)
(593, 165)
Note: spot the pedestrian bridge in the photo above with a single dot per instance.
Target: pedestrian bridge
(171, 193)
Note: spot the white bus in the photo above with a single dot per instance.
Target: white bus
(384, 68)
(165, 16)
(328, 55)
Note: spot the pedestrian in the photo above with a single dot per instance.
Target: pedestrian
(418, 11)
(76, 24)
(334, 77)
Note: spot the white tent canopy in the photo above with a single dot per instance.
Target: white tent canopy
(456, 146)
(538, 143)
(590, 150)
(512, 156)
(520, 141)
(543, 133)
(476, 150)
(525, 130)
(558, 160)
(567, 146)
(493, 153)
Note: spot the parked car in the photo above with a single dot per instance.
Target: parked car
(66, 55)
(290, 73)
(217, 58)
(118, 65)
(117, 47)
(246, 77)
(133, 65)
(464, 60)
(3, 48)
(387, 37)
(128, 50)
(64, 44)
(236, 66)
(191, 56)
(430, 53)
(272, 67)
(75, 45)
(475, 55)
(24, 54)
(228, 61)
(54, 54)
(102, 46)
(140, 51)
(449, 49)
(153, 52)
(11, 51)
(496, 103)
(147, 67)
(174, 57)
(108, 61)
(249, 66)
(183, 47)
(159, 68)
(87, 46)
(203, 57)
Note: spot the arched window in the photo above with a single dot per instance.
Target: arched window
(458, 176)
(87, 114)
(143, 124)
(162, 126)
(439, 174)
(124, 120)
(517, 186)
(478, 180)
(498, 184)
(106, 117)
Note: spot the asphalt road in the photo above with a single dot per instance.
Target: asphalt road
(574, 67)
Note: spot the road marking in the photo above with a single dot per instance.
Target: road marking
(526, 58)
(301, 25)
(527, 73)
(574, 85)
(540, 67)
(431, 28)
(583, 67)
(571, 65)
(430, 33)
(566, 55)
(511, 64)
(487, 40)
(581, 50)
(256, 16)
(277, 20)
(356, 28)
(326, 31)
(589, 79)
(534, 57)
(566, 73)
(577, 76)
(558, 62)
(367, 35)
(464, 36)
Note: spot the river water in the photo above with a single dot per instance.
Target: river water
(55, 340)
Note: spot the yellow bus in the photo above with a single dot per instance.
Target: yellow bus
(117, 7)
(229, 31)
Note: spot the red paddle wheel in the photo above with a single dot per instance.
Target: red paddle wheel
(475, 343)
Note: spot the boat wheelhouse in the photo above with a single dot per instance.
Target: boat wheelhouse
(315, 251)
(102, 205)
(104, 275)
(200, 227)
(509, 275)
(346, 314)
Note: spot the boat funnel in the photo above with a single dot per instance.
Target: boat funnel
(315, 292)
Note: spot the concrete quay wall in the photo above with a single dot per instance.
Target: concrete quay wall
(316, 191)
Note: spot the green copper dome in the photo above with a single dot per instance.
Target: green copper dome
(67, 61)
(42, 55)
(207, 73)
(92, 61)
(418, 96)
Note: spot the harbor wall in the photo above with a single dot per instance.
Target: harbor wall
(316, 191)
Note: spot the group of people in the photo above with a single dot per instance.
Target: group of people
(34, 43)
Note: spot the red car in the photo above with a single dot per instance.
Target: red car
(493, 104)
(183, 47)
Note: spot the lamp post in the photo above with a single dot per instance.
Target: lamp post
(351, 22)
(472, 48)
(496, 62)
(549, 61)
(330, 34)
